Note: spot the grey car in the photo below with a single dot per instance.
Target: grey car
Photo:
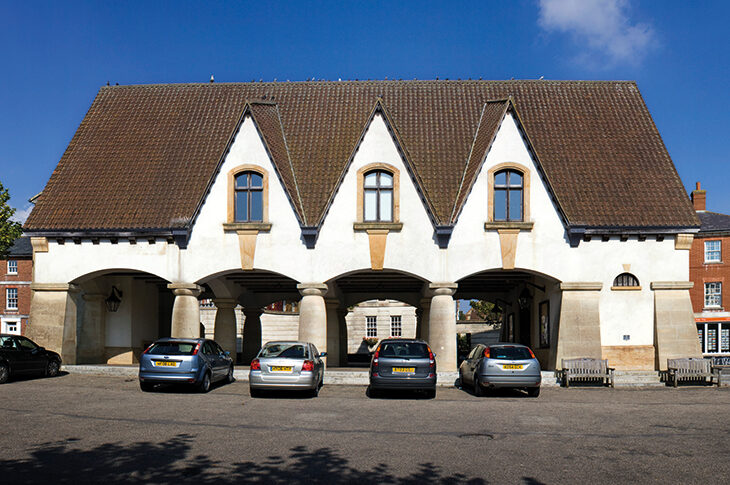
(197, 362)
(287, 365)
(403, 364)
(501, 365)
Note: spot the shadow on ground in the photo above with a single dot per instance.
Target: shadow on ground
(169, 462)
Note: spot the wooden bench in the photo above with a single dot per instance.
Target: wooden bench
(692, 369)
(586, 369)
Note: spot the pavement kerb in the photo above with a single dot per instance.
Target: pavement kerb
(359, 376)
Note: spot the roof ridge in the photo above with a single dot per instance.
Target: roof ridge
(468, 157)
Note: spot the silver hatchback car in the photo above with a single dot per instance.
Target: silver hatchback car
(197, 362)
(287, 366)
(501, 365)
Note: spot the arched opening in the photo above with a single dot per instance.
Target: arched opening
(119, 313)
(524, 307)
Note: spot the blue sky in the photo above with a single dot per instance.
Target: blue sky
(56, 55)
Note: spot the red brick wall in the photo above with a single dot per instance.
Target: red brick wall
(21, 281)
(701, 272)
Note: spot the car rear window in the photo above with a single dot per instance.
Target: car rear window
(172, 348)
(291, 351)
(509, 353)
(404, 350)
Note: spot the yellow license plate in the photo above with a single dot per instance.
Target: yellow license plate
(165, 363)
(512, 366)
(280, 368)
(404, 369)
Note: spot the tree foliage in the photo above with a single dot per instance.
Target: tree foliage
(486, 310)
(9, 230)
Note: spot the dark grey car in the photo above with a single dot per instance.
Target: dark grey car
(501, 365)
(197, 362)
(403, 364)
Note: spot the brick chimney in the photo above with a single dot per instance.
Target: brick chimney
(699, 198)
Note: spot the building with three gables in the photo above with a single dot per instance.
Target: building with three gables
(557, 200)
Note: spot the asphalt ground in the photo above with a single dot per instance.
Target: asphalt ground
(91, 429)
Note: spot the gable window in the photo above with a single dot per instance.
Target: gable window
(508, 195)
(11, 299)
(12, 266)
(713, 252)
(713, 295)
(625, 281)
(371, 326)
(378, 196)
(249, 197)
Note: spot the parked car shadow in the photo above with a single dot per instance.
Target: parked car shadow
(171, 462)
(187, 388)
(397, 394)
(284, 394)
(498, 392)
(33, 377)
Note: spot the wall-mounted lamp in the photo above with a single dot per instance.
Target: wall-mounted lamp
(524, 299)
(114, 299)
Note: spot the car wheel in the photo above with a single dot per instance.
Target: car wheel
(478, 389)
(204, 385)
(372, 393)
(461, 380)
(230, 377)
(4, 373)
(146, 386)
(314, 392)
(52, 368)
(431, 394)
(533, 391)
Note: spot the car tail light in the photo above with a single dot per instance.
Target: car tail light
(197, 348)
(308, 365)
(531, 353)
(147, 349)
(431, 360)
(255, 364)
(486, 352)
(375, 357)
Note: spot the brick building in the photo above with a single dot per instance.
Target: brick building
(16, 273)
(710, 271)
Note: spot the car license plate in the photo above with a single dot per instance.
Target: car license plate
(280, 368)
(404, 369)
(165, 363)
(512, 366)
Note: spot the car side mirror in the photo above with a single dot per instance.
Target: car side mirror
(323, 354)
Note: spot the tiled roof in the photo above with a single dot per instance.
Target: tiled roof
(144, 156)
(713, 222)
(21, 247)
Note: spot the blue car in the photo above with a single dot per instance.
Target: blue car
(197, 362)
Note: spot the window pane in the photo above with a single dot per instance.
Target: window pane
(241, 180)
(371, 179)
(724, 337)
(500, 205)
(500, 178)
(256, 180)
(711, 338)
(257, 205)
(515, 179)
(371, 205)
(515, 205)
(386, 205)
(241, 206)
(386, 180)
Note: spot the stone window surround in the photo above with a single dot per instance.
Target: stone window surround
(231, 224)
(524, 225)
(360, 223)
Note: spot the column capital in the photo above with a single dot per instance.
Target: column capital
(252, 311)
(447, 289)
(581, 286)
(225, 302)
(185, 289)
(312, 289)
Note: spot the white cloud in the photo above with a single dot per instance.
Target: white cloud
(601, 26)
(22, 214)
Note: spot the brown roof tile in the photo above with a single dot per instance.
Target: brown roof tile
(144, 155)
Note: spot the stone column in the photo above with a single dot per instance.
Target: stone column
(419, 316)
(185, 310)
(333, 334)
(579, 327)
(423, 322)
(251, 334)
(53, 318)
(442, 326)
(92, 334)
(342, 329)
(225, 324)
(675, 332)
(313, 314)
